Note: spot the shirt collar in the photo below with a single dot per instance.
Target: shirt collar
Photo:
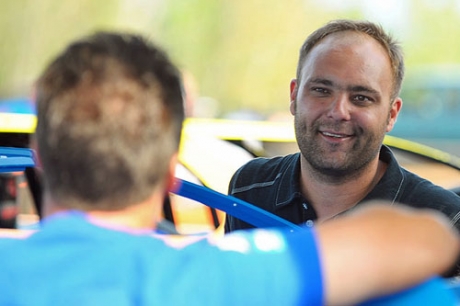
(388, 188)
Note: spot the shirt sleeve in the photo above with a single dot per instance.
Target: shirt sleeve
(275, 267)
(304, 249)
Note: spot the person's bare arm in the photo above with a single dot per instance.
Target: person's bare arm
(379, 249)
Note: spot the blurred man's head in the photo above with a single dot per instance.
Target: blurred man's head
(110, 112)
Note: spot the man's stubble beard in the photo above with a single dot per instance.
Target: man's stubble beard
(349, 165)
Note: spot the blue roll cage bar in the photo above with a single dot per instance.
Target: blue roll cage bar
(19, 159)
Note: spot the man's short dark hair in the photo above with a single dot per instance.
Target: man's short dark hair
(373, 30)
(110, 112)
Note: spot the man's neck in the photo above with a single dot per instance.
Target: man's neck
(331, 197)
(140, 216)
(136, 217)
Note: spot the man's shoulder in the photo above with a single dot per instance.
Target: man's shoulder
(263, 172)
(266, 166)
(422, 193)
(414, 189)
(421, 186)
(264, 178)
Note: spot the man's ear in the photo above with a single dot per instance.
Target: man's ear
(34, 146)
(172, 184)
(394, 111)
(293, 95)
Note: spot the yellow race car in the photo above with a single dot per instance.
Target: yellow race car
(211, 151)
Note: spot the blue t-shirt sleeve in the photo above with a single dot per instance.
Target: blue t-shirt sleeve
(304, 249)
(282, 265)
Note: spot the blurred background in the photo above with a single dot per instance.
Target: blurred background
(238, 56)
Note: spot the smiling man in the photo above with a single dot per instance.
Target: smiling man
(342, 105)
(345, 98)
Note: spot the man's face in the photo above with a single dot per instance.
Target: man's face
(341, 105)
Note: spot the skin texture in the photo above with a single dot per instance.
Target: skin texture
(358, 247)
(342, 110)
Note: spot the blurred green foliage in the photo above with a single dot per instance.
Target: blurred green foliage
(242, 53)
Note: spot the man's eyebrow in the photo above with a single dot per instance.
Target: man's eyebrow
(320, 81)
(350, 88)
(361, 88)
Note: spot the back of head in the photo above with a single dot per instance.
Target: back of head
(375, 31)
(110, 114)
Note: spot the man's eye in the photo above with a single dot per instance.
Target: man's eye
(361, 98)
(320, 90)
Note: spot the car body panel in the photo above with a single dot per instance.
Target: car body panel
(213, 149)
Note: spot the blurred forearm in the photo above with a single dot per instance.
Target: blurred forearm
(379, 249)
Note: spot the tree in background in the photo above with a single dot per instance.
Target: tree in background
(242, 53)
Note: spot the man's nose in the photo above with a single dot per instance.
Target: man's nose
(339, 108)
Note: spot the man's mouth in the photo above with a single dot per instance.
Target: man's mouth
(334, 135)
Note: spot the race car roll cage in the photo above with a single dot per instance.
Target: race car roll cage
(23, 159)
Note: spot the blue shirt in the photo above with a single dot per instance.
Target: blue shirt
(71, 261)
